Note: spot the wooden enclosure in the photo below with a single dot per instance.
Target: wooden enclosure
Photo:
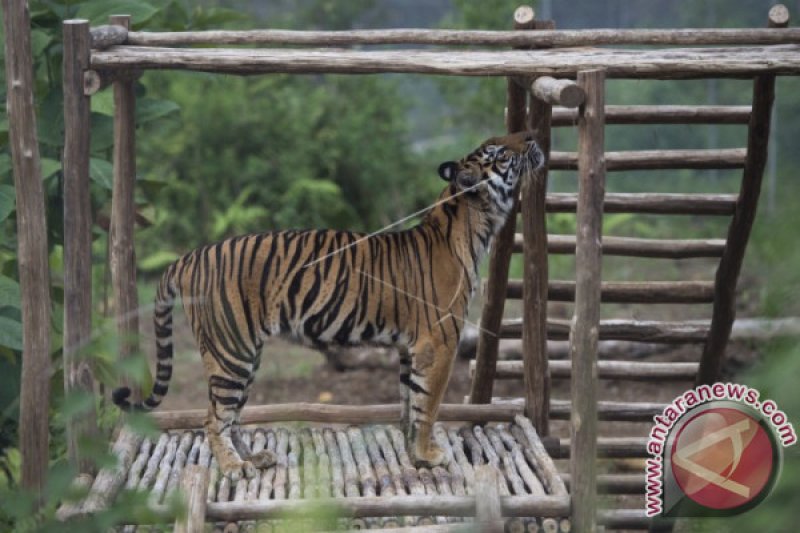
(550, 84)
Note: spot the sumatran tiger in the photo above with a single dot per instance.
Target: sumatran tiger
(405, 288)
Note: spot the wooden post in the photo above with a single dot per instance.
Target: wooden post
(77, 236)
(500, 259)
(194, 485)
(730, 265)
(535, 274)
(32, 260)
(488, 513)
(586, 319)
(122, 253)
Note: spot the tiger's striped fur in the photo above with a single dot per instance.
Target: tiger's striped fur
(409, 288)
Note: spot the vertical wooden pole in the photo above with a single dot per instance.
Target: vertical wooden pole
(77, 236)
(194, 485)
(730, 264)
(586, 318)
(122, 254)
(500, 259)
(32, 263)
(536, 375)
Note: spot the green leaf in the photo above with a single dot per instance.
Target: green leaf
(149, 109)
(98, 12)
(102, 133)
(143, 424)
(10, 294)
(157, 261)
(10, 333)
(40, 40)
(103, 103)
(50, 167)
(102, 172)
(8, 201)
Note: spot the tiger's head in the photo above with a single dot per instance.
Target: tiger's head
(489, 174)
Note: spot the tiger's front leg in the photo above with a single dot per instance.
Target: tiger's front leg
(432, 365)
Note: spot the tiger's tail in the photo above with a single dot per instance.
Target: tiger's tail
(162, 317)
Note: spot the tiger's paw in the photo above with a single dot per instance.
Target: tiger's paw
(433, 456)
(240, 469)
(263, 459)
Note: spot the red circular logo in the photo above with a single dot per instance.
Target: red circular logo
(722, 458)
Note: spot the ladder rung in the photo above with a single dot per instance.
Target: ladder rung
(658, 159)
(652, 331)
(652, 203)
(647, 292)
(606, 369)
(633, 247)
(662, 114)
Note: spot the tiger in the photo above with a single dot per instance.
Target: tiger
(406, 288)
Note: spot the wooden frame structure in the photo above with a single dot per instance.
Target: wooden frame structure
(113, 55)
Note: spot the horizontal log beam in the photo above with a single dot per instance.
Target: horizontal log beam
(337, 414)
(561, 92)
(623, 519)
(607, 447)
(628, 370)
(612, 411)
(657, 204)
(663, 114)
(658, 159)
(633, 247)
(545, 39)
(616, 483)
(647, 292)
(368, 506)
(625, 330)
(639, 64)
(103, 37)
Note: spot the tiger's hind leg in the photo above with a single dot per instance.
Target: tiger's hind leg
(433, 364)
(405, 392)
(225, 394)
(264, 458)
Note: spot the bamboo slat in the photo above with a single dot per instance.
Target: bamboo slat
(110, 480)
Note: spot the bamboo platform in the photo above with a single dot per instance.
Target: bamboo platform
(363, 471)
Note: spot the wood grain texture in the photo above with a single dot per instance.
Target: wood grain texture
(635, 247)
(336, 414)
(194, 485)
(644, 292)
(535, 274)
(609, 369)
(730, 265)
(678, 63)
(561, 92)
(500, 255)
(651, 331)
(122, 254)
(396, 506)
(78, 374)
(32, 251)
(658, 159)
(586, 318)
(651, 203)
(545, 39)
(661, 114)
(113, 34)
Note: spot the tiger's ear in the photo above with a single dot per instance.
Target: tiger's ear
(447, 170)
